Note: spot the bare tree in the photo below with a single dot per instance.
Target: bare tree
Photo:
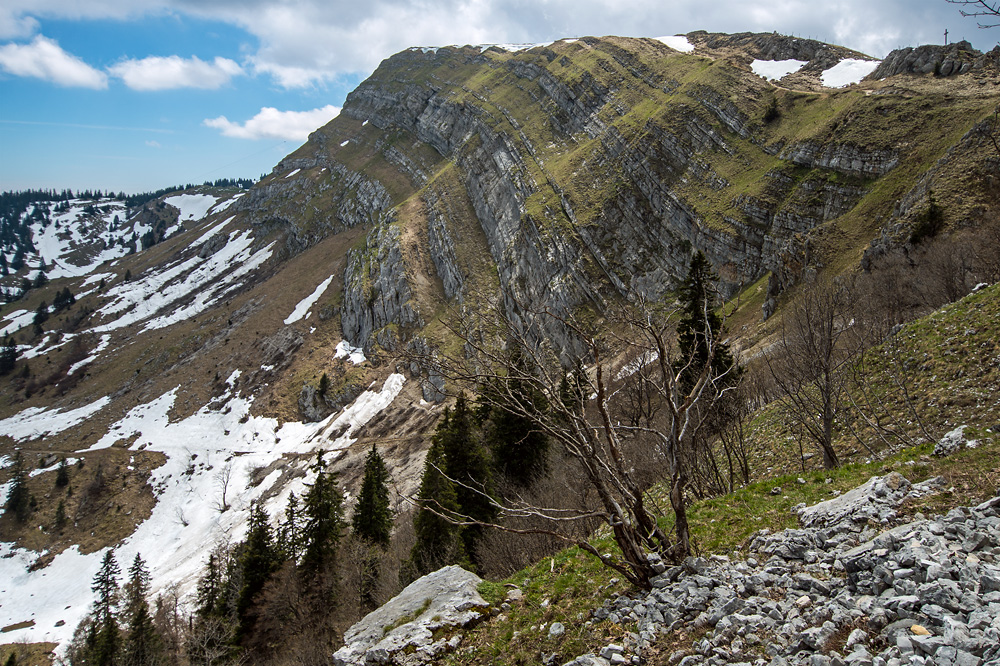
(980, 8)
(222, 480)
(818, 340)
(585, 414)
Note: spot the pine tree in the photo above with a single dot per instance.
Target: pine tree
(60, 519)
(372, 519)
(323, 522)
(290, 532)
(18, 501)
(438, 541)
(209, 589)
(143, 645)
(324, 385)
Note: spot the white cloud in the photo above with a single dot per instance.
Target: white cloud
(153, 144)
(274, 124)
(158, 73)
(44, 59)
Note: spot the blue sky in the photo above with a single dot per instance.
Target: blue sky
(137, 95)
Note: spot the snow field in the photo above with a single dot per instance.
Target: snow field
(774, 70)
(191, 206)
(35, 422)
(677, 43)
(220, 439)
(848, 71)
(303, 306)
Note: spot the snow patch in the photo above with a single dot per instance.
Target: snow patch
(35, 422)
(292, 173)
(848, 71)
(677, 43)
(302, 308)
(355, 355)
(191, 206)
(101, 346)
(774, 70)
(18, 319)
(344, 143)
(513, 48)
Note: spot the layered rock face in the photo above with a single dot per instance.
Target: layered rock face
(589, 170)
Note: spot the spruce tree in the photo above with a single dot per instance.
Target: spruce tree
(142, 645)
(323, 522)
(8, 355)
(372, 519)
(105, 640)
(18, 500)
(290, 532)
(438, 542)
(62, 474)
(699, 332)
(258, 562)
(467, 463)
(519, 448)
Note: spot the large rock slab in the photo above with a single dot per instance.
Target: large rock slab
(402, 630)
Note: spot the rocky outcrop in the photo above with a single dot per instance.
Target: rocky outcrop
(377, 295)
(834, 592)
(772, 46)
(402, 631)
(950, 60)
(846, 159)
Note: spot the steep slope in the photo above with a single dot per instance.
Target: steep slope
(183, 383)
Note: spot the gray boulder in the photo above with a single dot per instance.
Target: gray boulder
(406, 624)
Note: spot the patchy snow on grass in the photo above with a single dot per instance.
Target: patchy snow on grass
(303, 307)
(17, 319)
(191, 206)
(210, 278)
(344, 143)
(191, 513)
(101, 346)
(848, 71)
(52, 468)
(774, 70)
(223, 205)
(211, 232)
(355, 355)
(35, 422)
(513, 48)
(677, 43)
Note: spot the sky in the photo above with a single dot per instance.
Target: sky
(137, 95)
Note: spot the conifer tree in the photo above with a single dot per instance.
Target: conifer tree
(105, 641)
(18, 500)
(290, 532)
(372, 519)
(62, 474)
(142, 645)
(519, 448)
(467, 463)
(438, 541)
(699, 332)
(258, 562)
(8, 355)
(323, 522)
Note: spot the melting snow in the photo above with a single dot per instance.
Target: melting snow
(144, 297)
(211, 232)
(51, 468)
(776, 69)
(677, 43)
(295, 171)
(846, 72)
(355, 355)
(512, 47)
(101, 346)
(303, 307)
(35, 422)
(18, 319)
(218, 208)
(191, 206)
(344, 143)
(186, 521)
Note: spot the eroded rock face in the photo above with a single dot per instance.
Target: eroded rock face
(950, 60)
(401, 631)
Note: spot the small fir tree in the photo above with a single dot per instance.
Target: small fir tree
(258, 563)
(142, 644)
(104, 640)
(62, 474)
(699, 332)
(8, 355)
(323, 521)
(438, 541)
